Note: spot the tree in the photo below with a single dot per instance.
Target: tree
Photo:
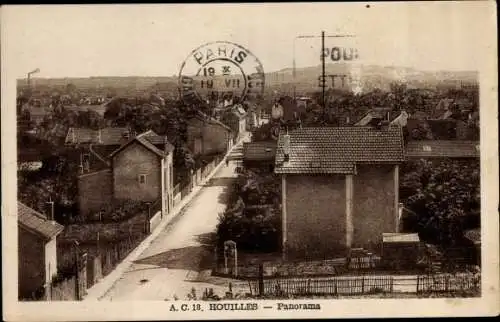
(444, 195)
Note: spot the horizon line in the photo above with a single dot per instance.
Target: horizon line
(267, 72)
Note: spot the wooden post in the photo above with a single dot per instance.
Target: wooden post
(283, 215)
(77, 279)
(418, 283)
(261, 279)
(235, 261)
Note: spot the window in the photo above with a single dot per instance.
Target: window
(142, 179)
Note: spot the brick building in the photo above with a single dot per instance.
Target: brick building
(339, 188)
(207, 136)
(37, 261)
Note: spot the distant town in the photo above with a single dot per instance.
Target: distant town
(374, 193)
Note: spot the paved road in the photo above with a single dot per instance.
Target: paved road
(170, 266)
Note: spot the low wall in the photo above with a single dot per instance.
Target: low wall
(94, 191)
(154, 221)
(177, 199)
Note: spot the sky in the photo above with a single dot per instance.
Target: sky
(154, 40)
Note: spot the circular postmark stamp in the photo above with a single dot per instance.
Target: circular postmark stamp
(221, 71)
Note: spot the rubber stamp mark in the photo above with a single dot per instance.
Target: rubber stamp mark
(220, 71)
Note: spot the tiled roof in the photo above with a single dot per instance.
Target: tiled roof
(205, 118)
(149, 140)
(323, 150)
(443, 149)
(36, 222)
(256, 151)
(152, 137)
(105, 136)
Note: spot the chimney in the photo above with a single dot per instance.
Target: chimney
(382, 125)
(50, 212)
(286, 147)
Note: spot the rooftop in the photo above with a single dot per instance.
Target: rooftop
(329, 150)
(259, 151)
(105, 136)
(36, 222)
(400, 238)
(443, 149)
(205, 118)
(150, 140)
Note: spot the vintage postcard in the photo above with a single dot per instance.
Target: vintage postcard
(247, 161)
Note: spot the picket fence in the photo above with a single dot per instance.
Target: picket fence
(325, 286)
(448, 283)
(362, 285)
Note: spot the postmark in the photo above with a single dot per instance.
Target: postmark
(221, 71)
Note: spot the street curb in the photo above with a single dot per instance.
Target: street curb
(101, 288)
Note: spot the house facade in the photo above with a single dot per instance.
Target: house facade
(37, 261)
(339, 188)
(207, 136)
(142, 170)
(235, 119)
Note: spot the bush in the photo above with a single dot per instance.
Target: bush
(252, 228)
(116, 211)
(445, 195)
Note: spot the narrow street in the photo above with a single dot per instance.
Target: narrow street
(171, 265)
